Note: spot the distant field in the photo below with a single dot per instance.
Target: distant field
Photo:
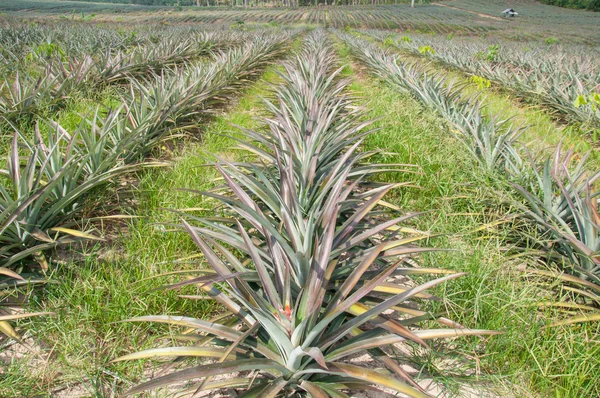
(425, 18)
(57, 7)
(460, 16)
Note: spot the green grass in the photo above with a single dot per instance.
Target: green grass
(95, 288)
(458, 198)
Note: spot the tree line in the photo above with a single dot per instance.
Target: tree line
(581, 4)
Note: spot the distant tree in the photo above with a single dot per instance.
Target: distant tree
(585, 4)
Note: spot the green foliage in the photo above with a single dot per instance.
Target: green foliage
(481, 82)
(551, 40)
(45, 196)
(158, 85)
(593, 100)
(389, 42)
(10, 280)
(426, 50)
(238, 25)
(490, 54)
(24, 95)
(46, 50)
(585, 4)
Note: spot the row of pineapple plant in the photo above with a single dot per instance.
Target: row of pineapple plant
(308, 262)
(556, 194)
(559, 200)
(56, 79)
(380, 17)
(51, 183)
(21, 43)
(491, 140)
(566, 81)
(565, 61)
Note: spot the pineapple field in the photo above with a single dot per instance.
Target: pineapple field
(328, 201)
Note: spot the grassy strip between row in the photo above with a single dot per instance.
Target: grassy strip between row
(460, 200)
